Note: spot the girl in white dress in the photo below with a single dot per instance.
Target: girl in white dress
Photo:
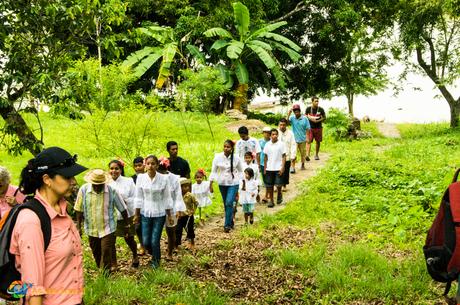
(202, 191)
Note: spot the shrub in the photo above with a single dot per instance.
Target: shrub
(269, 118)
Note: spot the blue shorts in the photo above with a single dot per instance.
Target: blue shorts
(248, 207)
(273, 178)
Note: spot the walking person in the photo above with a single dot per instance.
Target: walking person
(287, 137)
(55, 275)
(275, 159)
(202, 192)
(249, 189)
(125, 187)
(178, 204)
(178, 165)
(227, 170)
(300, 128)
(153, 203)
(247, 143)
(187, 218)
(139, 168)
(96, 204)
(266, 131)
(10, 195)
(316, 115)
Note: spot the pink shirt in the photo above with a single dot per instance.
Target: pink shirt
(57, 274)
(4, 206)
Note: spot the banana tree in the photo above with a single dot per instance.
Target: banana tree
(167, 50)
(248, 44)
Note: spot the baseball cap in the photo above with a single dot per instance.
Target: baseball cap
(296, 107)
(266, 129)
(57, 160)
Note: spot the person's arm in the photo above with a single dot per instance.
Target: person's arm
(283, 163)
(289, 116)
(213, 175)
(120, 205)
(323, 116)
(265, 159)
(138, 201)
(169, 202)
(293, 147)
(78, 207)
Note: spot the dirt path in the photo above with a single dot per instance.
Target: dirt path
(388, 130)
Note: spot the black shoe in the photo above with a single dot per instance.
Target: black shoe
(271, 204)
(227, 230)
(307, 158)
(279, 200)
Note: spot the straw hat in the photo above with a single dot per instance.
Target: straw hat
(97, 176)
(183, 180)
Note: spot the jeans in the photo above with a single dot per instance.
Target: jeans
(151, 236)
(228, 193)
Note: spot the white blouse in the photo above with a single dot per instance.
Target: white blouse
(125, 187)
(202, 193)
(221, 170)
(249, 195)
(153, 196)
(176, 193)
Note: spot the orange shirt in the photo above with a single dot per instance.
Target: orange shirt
(56, 274)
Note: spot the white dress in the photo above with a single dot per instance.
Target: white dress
(202, 194)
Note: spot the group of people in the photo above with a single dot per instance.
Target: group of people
(160, 195)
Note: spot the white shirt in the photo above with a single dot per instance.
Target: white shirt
(221, 170)
(176, 193)
(250, 144)
(288, 139)
(125, 187)
(153, 196)
(274, 153)
(202, 193)
(255, 169)
(250, 193)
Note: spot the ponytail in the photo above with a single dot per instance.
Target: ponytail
(32, 179)
(232, 144)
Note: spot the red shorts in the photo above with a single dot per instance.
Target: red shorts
(315, 133)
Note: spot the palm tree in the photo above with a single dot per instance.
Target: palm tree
(259, 42)
(167, 49)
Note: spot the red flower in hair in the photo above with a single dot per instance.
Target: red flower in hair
(201, 171)
(164, 162)
(254, 155)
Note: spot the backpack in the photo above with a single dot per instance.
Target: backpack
(7, 260)
(442, 246)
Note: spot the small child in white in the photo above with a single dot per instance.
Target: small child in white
(202, 191)
(248, 193)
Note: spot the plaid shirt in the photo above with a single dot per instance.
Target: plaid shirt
(99, 209)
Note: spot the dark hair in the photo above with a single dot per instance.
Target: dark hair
(274, 129)
(152, 157)
(162, 167)
(250, 172)
(243, 130)
(314, 97)
(120, 165)
(138, 160)
(199, 172)
(283, 120)
(31, 180)
(248, 153)
(169, 144)
(230, 142)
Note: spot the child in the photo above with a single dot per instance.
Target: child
(186, 220)
(248, 192)
(201, 191)
(249, 162)
(247, 143)
(139, 167)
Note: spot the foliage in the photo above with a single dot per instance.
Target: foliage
(269, 118)
(338, 123)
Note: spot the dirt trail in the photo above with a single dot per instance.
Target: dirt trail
(388, 130)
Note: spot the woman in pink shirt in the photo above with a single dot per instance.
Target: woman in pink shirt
(9, 194)
(54, 276)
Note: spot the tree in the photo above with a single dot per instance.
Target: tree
(431, 29)
(258, 44)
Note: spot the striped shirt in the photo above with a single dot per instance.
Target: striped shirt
(153, 196)
(99, 209)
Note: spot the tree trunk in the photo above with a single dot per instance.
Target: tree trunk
(241, 98)
(350, 100)
(454, 112)
(16, 125)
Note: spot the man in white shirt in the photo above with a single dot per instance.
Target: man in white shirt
(274, 164)
(247, 143)
(287, 137)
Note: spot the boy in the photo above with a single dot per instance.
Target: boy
(266, 133)
(187, 218)
(139, 167)
(246, 144)
(274, 163)
(300, 127)
(287, 137)
(316, 115)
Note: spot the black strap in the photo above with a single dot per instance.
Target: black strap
(456, 175)
(447, 289)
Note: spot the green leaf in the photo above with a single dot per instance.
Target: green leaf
(137, 56)
(196, 53)
(219, 44)
(268, 28)
(225, 73)
(234, 49)
(242, 73)
(279, 76)
(241, 15)
(146, 63)
(220, 32)
(261, 44)
(282, 39)
(155, 32)
(293, 55)
(263, 55)
(169, 52)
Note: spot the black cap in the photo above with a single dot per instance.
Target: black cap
(59, 161)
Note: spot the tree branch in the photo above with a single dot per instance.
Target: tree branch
(301, 6)
(432, 53)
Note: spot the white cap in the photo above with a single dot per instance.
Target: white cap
(266, 129)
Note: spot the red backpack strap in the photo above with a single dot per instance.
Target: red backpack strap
(454, 199)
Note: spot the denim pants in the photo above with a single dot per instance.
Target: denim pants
(228, 193)
(151, 236)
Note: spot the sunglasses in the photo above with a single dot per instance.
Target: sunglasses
(66, 163)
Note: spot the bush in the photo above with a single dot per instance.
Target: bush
(269, 118)
(338, 123)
